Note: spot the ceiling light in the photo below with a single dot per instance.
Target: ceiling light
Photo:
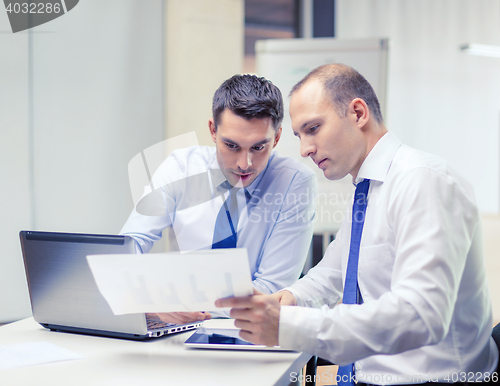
(481, 49)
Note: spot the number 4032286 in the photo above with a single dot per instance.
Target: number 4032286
(34, 8)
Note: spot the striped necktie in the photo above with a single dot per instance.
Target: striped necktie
(226, 224)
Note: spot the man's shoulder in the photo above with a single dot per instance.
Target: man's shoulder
(409, 162)
(281, 164)
(408, 158)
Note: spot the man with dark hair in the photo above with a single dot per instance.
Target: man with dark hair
(248, 97)
(239, 193)
(400, 296)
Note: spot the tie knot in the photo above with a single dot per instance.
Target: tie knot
(361, 192)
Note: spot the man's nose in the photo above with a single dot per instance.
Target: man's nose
(245, 160)
(307, 148)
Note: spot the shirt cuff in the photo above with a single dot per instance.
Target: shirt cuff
(295, 294)
(298, 328)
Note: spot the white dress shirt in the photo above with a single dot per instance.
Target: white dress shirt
(275, 221)
(427, 312)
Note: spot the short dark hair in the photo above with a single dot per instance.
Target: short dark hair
(249, 97)
(343, 84)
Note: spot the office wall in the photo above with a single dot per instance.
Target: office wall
(203, 47)
(15, 198)
(97, 92)
(440, 99)
(80, 96)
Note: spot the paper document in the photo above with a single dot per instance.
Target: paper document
(171, 282)
(33, 353)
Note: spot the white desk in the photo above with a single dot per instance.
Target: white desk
(163, 361)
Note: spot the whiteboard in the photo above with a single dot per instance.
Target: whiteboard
(285, 62)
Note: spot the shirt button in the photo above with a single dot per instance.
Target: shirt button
(358, 366)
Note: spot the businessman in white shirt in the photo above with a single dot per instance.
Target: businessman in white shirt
(239, 193)
(407, 263)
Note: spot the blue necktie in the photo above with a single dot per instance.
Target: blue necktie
(345, 375)
(225, 231)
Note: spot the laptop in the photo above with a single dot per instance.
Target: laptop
(64, 295)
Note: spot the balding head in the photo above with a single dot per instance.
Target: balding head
(342, 84)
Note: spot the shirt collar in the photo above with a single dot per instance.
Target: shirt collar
(378, 162)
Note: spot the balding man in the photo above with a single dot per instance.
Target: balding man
(407, 263)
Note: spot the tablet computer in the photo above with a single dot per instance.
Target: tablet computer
(224, 339)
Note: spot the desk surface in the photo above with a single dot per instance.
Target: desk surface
(162, 361)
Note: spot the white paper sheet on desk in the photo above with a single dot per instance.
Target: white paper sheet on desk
(171, 282)
(33, 353)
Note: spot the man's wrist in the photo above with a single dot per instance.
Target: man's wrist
(290, 293)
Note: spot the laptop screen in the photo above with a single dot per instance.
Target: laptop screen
(61, 286)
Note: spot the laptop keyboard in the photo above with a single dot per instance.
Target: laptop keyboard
(154, 324)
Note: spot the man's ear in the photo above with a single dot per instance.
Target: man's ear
(212, 128)
(358, 109)
(277, 137)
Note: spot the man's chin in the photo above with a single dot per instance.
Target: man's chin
(242, 184)
(333, 176)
